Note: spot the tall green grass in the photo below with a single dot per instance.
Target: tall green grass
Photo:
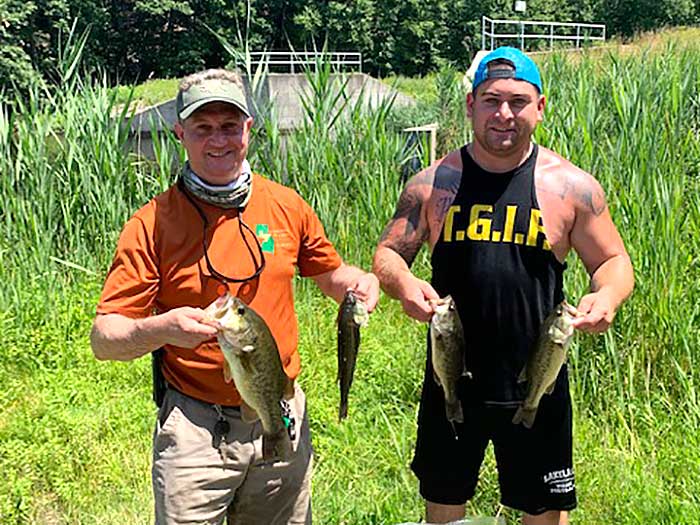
(75, 434)
(633, 122)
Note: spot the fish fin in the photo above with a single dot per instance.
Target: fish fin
(526, 416)
(522, 378)
(288, 392)
(341, 357)
(465, 372)
(437, 379)
(248, 414)
(227, 372)
(550, 388)
(276, 446)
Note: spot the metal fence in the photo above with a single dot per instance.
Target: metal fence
(296, 61)
(528, 31)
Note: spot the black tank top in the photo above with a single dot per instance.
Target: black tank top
(493, 258)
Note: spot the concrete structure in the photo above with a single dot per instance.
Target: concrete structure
(282, 90)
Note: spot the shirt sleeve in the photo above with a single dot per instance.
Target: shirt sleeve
(317, 254)
(132, 284)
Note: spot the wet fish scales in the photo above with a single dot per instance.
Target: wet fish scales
(252, 360)
(448, 355)
(545, 361)
(352, 315)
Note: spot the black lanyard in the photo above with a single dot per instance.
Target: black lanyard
(225, 279)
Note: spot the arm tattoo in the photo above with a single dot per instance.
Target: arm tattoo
(565, 188)
(594, 199)
(588, 193)
(407, 249)
(447, 179)
(443, 204)
(409, 208)
(406, 242)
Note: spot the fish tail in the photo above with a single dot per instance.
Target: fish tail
(526, 416)
(343, 410)
(276, 446)
(454, 429)
(454, 411)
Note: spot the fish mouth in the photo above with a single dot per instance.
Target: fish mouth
(221, 305)
(223, 312)
(571, 310)
(440, 302)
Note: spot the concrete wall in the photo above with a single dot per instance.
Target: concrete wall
(284, 91)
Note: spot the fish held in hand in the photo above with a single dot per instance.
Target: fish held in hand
(448, 355)
(252, 361)
(352, 315)
(546, 359)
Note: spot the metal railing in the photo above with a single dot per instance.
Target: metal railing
(288, 60)
(552, 32)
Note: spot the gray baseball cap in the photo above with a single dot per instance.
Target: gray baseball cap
(210, 90)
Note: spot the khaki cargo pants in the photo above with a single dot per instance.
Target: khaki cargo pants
(196, 482)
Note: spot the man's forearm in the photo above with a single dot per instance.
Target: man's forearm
(390, 267)
(335, 283)
(119, 338)
(614, 277)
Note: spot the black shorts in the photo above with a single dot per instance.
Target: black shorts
(535, 469)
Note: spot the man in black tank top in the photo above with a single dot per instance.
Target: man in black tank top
(500, 215)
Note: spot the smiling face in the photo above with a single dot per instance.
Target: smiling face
(504, 114)
(216, 138)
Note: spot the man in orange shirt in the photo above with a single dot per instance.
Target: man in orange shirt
(221, 227)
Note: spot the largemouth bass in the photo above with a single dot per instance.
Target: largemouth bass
(448, 355)
(352, 315)
(252, 361)
(545, 361)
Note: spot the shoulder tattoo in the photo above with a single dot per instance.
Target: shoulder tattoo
(587, 192)
(447, 181)
(592, 198)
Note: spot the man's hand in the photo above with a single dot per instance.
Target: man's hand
(120, 338)
(598, 313)
(366, 288)
(414, 297)
(186, 327)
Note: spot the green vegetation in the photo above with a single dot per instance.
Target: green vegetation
(149, 93)
(75, 433)
(138, 40)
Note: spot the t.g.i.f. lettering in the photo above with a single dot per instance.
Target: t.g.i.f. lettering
(481, 227)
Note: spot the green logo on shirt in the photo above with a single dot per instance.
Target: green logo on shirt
(262, 231)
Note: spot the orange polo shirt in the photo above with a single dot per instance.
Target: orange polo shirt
(159, 265)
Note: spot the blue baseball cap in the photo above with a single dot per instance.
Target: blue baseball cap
(524, 68)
